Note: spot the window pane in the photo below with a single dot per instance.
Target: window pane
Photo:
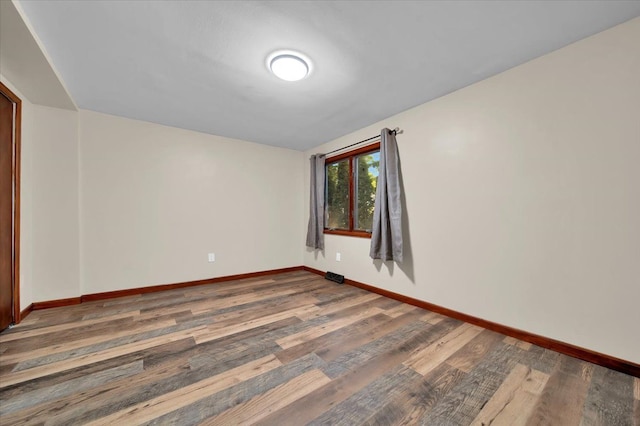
(366, 179)
(337, 196)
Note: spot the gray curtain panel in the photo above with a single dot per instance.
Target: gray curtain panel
(315, 230)
(386, 235)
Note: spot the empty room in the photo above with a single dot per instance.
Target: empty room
(319, 212)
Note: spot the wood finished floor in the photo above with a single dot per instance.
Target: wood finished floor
(290, 349)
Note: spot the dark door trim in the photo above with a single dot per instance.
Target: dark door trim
(15, 174)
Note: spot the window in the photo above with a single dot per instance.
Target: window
(350, 191)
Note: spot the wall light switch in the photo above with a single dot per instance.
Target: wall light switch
(212, 257)
(338, 257)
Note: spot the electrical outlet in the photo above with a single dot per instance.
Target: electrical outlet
(338, 257)
(212, 257)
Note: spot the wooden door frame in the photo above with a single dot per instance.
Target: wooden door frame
(15, 178)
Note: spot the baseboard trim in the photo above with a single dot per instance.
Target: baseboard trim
(150, 289)
(56, 303)
(23, 313)
(163, 287)
(598, 358)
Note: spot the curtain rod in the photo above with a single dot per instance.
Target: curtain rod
(395, 131)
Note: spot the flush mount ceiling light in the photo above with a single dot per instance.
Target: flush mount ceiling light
(288, 65)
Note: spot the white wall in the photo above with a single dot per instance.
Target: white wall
(49, 229)
(522, 198)
(155, 200)
(54, 198)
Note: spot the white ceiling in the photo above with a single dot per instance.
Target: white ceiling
(202, 65)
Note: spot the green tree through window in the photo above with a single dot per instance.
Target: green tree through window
(367, 178)
(337, 195)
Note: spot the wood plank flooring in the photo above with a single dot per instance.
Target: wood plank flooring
(290, 349)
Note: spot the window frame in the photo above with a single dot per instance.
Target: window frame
(351, 155)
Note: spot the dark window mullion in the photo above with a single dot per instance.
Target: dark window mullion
(351, 193)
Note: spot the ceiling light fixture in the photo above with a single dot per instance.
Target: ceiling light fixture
(289, 66)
